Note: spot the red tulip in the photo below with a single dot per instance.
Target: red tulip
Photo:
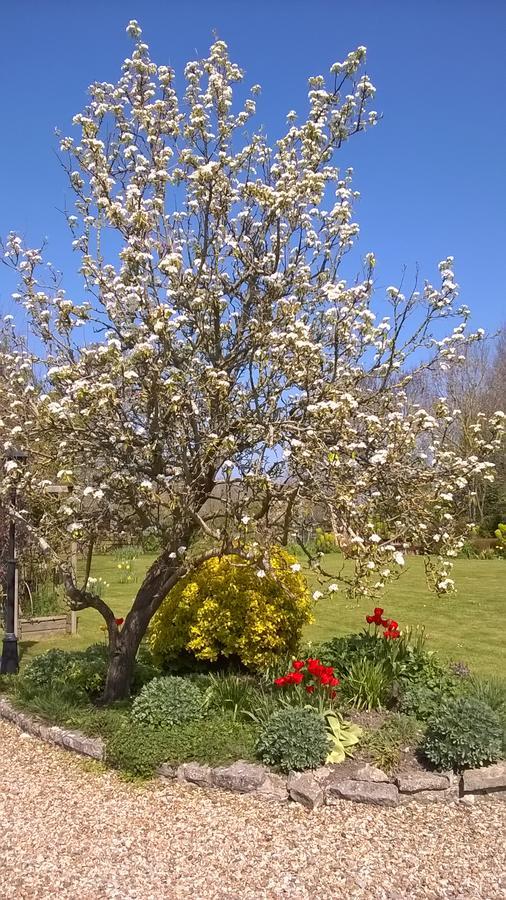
(298, 664)
(119, 622)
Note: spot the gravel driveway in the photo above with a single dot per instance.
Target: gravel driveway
(69, 830)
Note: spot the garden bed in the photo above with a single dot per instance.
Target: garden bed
(352, 780)
(374, 717)
(44, 626)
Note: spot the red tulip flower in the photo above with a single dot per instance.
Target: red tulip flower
(298, 664)
(119, 622)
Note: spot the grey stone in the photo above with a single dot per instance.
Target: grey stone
(449, 795)
(274, 788)
(167, 772)
(371, 773)
(55, 735)
(194, 773)
(489, 778)
(305, 789)
(240, 776)
(322, 774)
(376, 793)
(81, 743)
(413, 782)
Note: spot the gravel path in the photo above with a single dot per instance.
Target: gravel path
(70, 830)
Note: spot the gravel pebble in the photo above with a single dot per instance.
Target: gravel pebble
(70, 830)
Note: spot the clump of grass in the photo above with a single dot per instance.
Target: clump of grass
(385, 744)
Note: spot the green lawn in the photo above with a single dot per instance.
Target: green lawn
(468, 625)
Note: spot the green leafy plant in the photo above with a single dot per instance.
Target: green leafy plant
(79, 672)
(344, 736)
(167, 701)
(294, 738)
(465, 734)
(403, 657)
(367, 684)
(233, 694)
(384, 744)
(425, 696)
(137, 750)
(46, 600)
(491, 691)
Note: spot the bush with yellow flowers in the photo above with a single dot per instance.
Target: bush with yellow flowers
(224, 609)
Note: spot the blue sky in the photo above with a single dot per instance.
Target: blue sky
(432, 174)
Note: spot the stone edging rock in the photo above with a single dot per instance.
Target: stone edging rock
(327, 785)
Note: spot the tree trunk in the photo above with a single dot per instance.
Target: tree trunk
(124, 643)
(121, 668)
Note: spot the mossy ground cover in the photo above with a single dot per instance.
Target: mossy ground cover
(463, 626)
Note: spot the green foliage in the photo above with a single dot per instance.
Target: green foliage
(465, 734)
(167, 701)
(491, 691)
(324, 541)
(294, 738)
(81, 673)
(500, 533)
(367, 684)
(500, 547)
(403, 658)
(127, 553)
(46, 600)
(426, 695)
(384, 744)
(138, 750)
(223, 610)
(343, 736)
(236, 695)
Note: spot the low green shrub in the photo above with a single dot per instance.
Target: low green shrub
(294, 738)
(167, 701)
(384, 744)
(465, 734)
(425, 697)
(81, 673)
(137, 750)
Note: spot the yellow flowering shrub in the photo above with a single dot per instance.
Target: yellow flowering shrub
(225, 609)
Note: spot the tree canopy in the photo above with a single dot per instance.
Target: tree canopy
(217, 377)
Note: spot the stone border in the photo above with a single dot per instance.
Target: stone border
(327, 785)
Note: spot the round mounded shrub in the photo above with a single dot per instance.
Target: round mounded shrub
(294, 738)
(224, 609)
(167, 701)
(466, 734)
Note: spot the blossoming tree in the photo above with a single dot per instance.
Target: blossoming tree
(217, 377)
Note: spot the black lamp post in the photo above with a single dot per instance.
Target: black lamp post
(10, 656)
